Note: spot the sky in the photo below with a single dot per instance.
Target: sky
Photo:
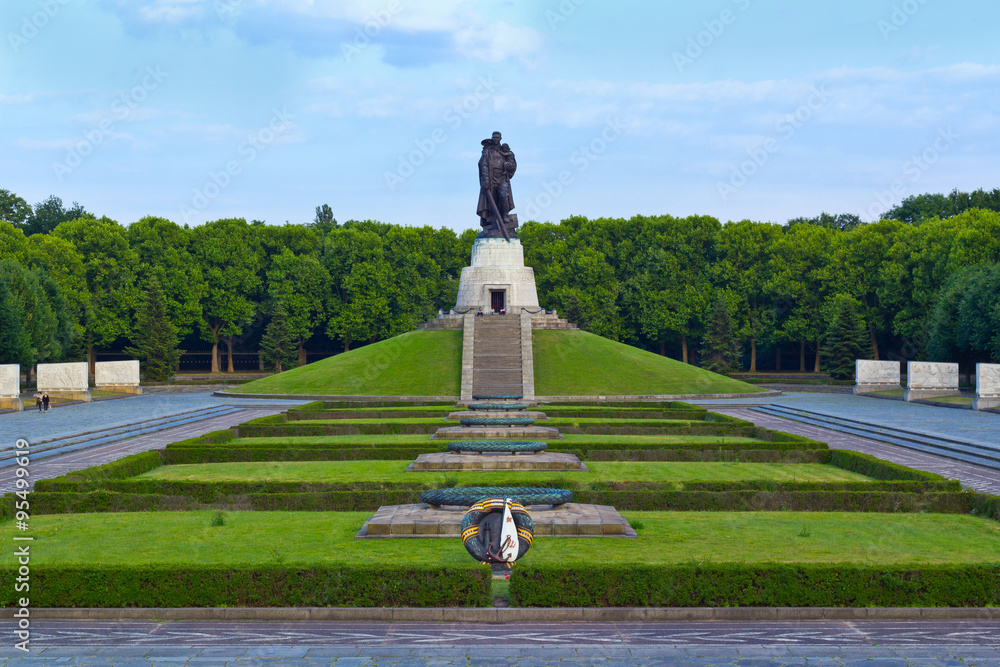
(196, 110)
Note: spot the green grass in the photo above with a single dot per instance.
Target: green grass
(344, 472)
(953, 400)
(890, 393)
(292, 538)
(568, 440)
(419, 363)
(577, 363)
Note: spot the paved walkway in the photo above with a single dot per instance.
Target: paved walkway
(986, 480)
(982, 428)
(83, 417)
(874, 644)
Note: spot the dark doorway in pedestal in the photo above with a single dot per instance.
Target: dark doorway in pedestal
(498, 300)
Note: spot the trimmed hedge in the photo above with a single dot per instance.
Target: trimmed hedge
(754, 585)
(670, 405)
(876, 468)
(708, 455)
(365, 414)
(348, 405)
(632, 499)
(123, 468)
(292, 453)
(251, 429)
(389, 585)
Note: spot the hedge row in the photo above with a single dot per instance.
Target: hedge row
(348, 405)
(634, 500)
(634, 413)
(876, 468)
(670, 405)
(292, 453)
(391, 585)
(709, 455)
(296, 429)
(129, 466)
(752, 585)
(365, 414)
(211, 489)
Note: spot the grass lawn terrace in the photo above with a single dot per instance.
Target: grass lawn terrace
(297, 538)
(395, 471)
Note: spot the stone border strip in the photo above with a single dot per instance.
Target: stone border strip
(518, 615)
(539, 399)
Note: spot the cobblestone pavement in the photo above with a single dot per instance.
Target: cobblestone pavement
(982, 428)
(84, 417)
(872, 644)
(972, 476)
(60, 465)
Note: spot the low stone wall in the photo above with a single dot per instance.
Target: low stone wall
(10, 387)
(64, 380)
(873, 376)
(987, 387)
(118, 376)
(928, 379)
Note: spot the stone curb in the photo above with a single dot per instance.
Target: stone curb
(517, 615)
(324, 397)
(538, 399)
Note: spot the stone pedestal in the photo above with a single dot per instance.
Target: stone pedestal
(454, 462)
(67, 381)
(871, 376)
(10, 388)
(926, 379)
(497, 265)
(120, 377)
(987, 387)
(569, 520)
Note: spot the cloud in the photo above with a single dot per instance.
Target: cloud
(497, 42)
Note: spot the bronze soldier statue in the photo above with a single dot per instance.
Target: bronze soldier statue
(496, 167)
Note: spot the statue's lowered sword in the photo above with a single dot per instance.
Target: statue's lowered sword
(496, 211)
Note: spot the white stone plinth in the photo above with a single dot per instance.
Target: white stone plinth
(872, 376)
(10, 387)
(64, 380)
(497, 264)
(10, 381)
(116, 374)
(926, 379)
(987, 387)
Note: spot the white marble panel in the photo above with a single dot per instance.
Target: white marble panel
(121, 373)
(498, 252)
(62, 377)
(988, 380)
(924, 375)
(10, 381)
(876, 372)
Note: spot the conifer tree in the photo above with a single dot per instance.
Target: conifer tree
(846, 336)
(720, 347)
(156, 336)
(280, 343)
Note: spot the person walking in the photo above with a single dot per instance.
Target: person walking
(38, 400)
(45, 401)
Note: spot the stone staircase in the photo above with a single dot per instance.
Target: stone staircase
(497, 355)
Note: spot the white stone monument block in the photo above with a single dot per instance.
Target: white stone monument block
(926, 379)
(64, 380)
(10, 387)
(987, 387)
(116, 373)
(872, 376)
(497, 266)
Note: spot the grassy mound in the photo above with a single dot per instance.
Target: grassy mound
(419, 363)
(577, 363)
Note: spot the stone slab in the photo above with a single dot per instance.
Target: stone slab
(988, 381)
(10, 380)
(569, 520)
(501, 432)
(497, 264)
(116, 373)
(68, 377)
(873, 375)
(497, 414)
(927, 379)
(452, 461)
(14, 404)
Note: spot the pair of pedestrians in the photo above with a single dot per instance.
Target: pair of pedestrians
(42, 401)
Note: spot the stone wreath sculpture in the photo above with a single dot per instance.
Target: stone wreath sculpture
(497, 530)
(498, 407)
(497, 421)
(497, 446)
(466, 496)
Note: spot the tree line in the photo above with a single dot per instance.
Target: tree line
(920, 283)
